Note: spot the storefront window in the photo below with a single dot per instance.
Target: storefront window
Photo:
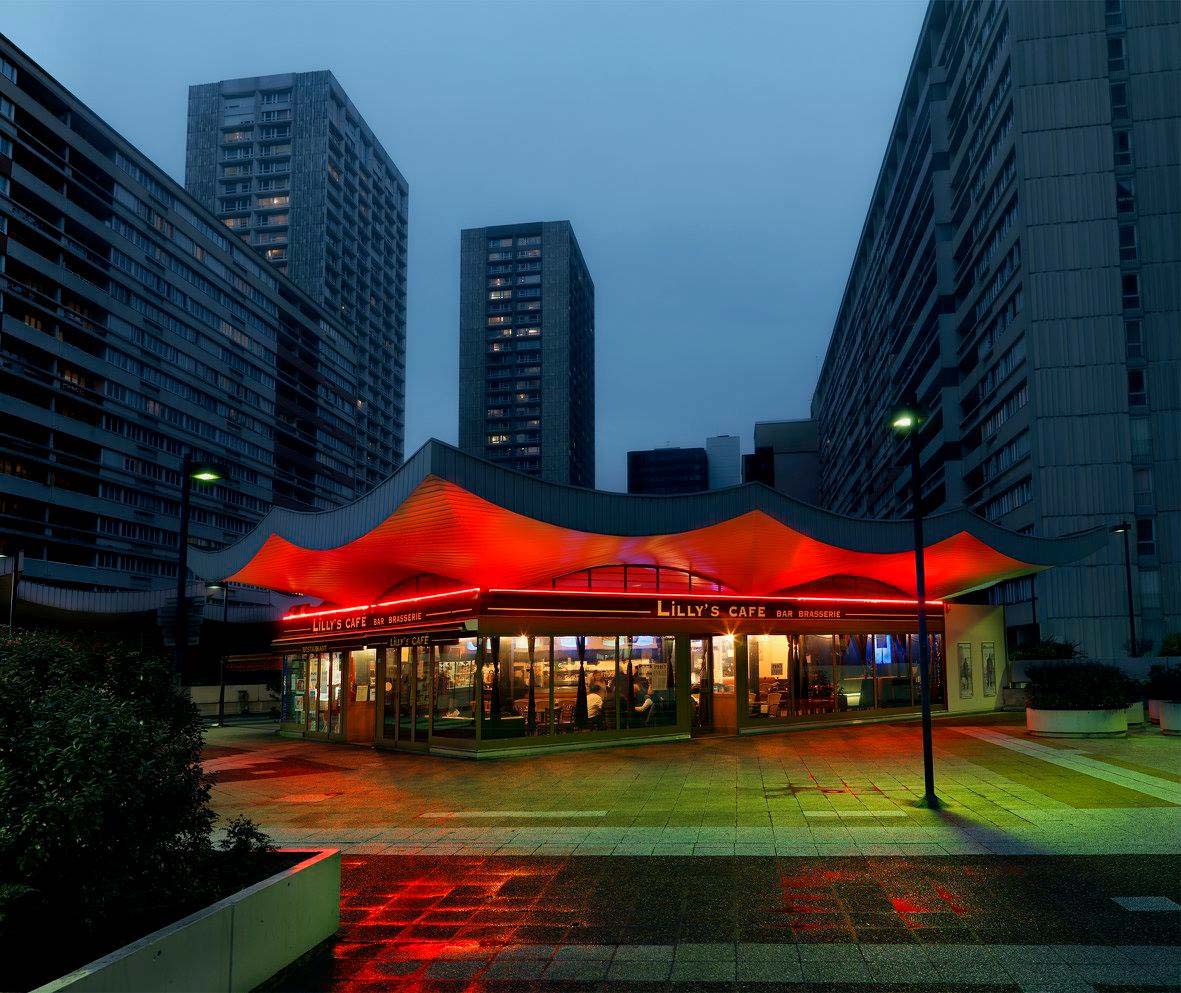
(648, 674)
(455, 690)
(800, 676)
(584, 684)
(422, 694)
(294, 693)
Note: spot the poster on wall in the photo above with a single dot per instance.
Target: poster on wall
(965, 671)
(988, 656)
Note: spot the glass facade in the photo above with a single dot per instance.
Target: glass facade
(454, 713)
(494, 691)
(794, 676)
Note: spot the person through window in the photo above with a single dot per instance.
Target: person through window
(594, 706)
(644, 694)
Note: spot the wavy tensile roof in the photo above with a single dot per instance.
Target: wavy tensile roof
(450, 514)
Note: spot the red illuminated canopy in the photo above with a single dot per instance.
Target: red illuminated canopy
(448, 514)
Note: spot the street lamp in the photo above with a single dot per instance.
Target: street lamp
(221, 661)
(18, 561)
(1123, 528)
(203, 472)
(907, 422)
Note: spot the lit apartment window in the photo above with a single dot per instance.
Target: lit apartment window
(1130, 290)
(1145, 536)
(276, 254)
(1137, 388)
(1125, 196)
(497, 439)
(500, 242)
(1116, 62)
(1122, 139)
(1134, 339)
(499, 256)
(1119, 101)
(275, 201)
(236, 222)
(500, 295)
(533, 239)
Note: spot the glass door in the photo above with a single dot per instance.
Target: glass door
(701, 692)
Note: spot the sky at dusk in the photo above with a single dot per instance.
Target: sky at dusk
(715, 160)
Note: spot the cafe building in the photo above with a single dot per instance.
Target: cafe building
(464, 609)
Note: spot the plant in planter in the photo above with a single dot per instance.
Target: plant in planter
(105, 823)
(1046, 648)
(1077, 699)
(1164, 697)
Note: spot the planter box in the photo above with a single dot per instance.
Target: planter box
(1135, 714)
(1170, 717)
(1154, 711)
(1076, 723)
(234, 945)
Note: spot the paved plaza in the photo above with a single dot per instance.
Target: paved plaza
(785, 861)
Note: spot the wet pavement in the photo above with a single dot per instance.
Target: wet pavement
(796, 861)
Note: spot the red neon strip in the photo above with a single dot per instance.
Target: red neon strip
(728, 596)
(383, 603)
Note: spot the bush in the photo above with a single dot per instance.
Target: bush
(1170, 645)
(1079, 686)
(105, 821)
(1164, 683)
(1046, 648)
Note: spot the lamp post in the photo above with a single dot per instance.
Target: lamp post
(1123, 528)
(221, 660)
(202, 472)
(907, 422)
(18, 560)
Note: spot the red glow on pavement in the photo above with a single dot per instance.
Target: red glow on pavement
(904, 905)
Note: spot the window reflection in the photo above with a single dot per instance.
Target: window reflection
(455, 690)
(794, 676)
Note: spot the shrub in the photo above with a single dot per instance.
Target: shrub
(1170, 645)
(1079, 686)
(105, 821)
(1046, 648)
(1164, 683)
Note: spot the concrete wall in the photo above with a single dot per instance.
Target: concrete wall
(261, 700)
(975, 626)
(234, 945)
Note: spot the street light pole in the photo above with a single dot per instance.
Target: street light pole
(180, 628)
(1133, 646)
(221, 662)
(189, 470)
(18, 560)
(908, 422)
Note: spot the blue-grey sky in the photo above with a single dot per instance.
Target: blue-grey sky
(715, 160)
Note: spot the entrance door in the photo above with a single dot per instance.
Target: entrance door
(325, 699)
(406, 703)
(701, 692)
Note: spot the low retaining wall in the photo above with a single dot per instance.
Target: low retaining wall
(1076, 723)
(233, 945)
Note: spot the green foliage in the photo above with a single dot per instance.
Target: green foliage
(1170, 645)
(1164, 683)
(1064, 685)
(104, 809)
(1046, 648)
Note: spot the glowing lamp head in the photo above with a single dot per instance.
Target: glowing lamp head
(1120, 528)
(206, 474)
(904, 420)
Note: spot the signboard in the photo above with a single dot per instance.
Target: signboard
(433, 619)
